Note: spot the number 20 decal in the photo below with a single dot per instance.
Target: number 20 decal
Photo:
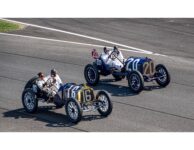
(148, 68)
(134, 64)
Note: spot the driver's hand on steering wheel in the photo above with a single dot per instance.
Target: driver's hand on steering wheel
(112, 56)
(54, 81)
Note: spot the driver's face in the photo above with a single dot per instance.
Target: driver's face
(41, 76)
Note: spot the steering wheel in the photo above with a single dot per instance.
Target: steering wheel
(49, 83)
(113, 55)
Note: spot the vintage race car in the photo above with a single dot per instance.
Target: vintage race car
(137, 70)
(76, 99)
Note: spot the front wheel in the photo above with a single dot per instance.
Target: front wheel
(105, 104)
(73, 110)
(91, 74)
(135, 81)
(29, 101)
(162, 75)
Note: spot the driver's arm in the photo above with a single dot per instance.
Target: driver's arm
(121, 55)
(40, 84)
(46, 80)
(59, 80)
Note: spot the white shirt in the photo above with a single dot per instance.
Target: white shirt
(113, 63)
(120, 56)
(104, 57)
(40, 82)
(58, 82)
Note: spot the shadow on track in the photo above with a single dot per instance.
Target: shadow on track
(47, 115)
(120, 90)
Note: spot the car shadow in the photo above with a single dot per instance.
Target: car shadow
(48, 115)
(120, 90)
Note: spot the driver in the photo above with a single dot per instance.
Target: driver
(113, 58)
(119, 54)
(117, 59)
(54, 80)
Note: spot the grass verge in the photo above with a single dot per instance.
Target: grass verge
(6, 26)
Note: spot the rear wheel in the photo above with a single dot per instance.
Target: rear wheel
(163, 76)
(91, 74)
(29, 101)
(73, 110)
(135, 81)
(105, 104)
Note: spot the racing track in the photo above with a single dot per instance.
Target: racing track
(168, 109)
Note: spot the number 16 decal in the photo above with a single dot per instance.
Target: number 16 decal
(87, 95)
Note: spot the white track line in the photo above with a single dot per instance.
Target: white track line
(62, 41)
(81, 35)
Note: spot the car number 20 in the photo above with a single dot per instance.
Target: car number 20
(134, 64)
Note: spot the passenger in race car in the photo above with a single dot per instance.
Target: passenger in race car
(54, 81)
(95, 54)
(41, 80)
(41, 83)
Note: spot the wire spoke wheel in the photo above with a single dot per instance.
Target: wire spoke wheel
(73, 110)
(105, 104)
(135, 81)
(91, 74)
(162, 75)
(29, 101)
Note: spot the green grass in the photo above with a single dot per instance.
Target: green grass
(6, 26)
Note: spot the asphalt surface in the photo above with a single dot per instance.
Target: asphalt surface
(155, 109)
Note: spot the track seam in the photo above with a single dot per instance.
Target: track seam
(40, 58)
(167, 28)
(153, 110)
